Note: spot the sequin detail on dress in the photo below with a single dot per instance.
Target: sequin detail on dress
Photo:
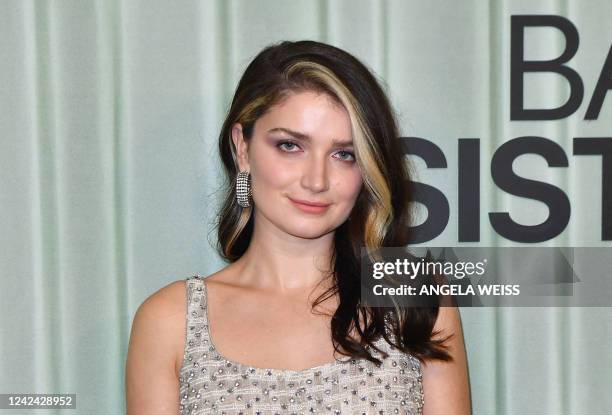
(211, 384)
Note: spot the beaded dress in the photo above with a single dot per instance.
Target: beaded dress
(212, 384)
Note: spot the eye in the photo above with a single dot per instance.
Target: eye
(288, 146)
(346, 155)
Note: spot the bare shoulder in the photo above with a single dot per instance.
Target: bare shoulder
(162, 316)
(155, 349)
(166, 302)
(446, 384)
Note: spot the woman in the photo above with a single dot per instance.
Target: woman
(315, 172)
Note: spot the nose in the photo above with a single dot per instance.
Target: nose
(314, 176)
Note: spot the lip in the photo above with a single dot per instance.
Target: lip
(310, 207)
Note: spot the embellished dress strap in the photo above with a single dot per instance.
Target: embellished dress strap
(197, 326)
(196, 342)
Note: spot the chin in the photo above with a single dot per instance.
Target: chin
(308, 231)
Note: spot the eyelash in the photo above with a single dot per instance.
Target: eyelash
(281, 143)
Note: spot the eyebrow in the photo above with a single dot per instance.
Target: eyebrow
(306, 137)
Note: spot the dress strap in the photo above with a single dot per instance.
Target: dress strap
(196, 341)
(195, 291)
(197, 326)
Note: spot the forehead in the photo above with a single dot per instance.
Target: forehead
(314, 114)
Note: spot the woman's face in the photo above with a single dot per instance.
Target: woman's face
(301, 150)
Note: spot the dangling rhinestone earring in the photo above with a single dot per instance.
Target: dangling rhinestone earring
(243, 189)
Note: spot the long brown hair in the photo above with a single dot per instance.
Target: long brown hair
(383, 209)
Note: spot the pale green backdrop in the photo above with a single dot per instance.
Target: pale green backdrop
(109, 116)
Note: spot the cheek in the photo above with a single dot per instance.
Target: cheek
(268, 169)
(350, 185)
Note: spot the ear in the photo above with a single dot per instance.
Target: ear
(241, 146)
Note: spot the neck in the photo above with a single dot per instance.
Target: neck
(279, 262)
